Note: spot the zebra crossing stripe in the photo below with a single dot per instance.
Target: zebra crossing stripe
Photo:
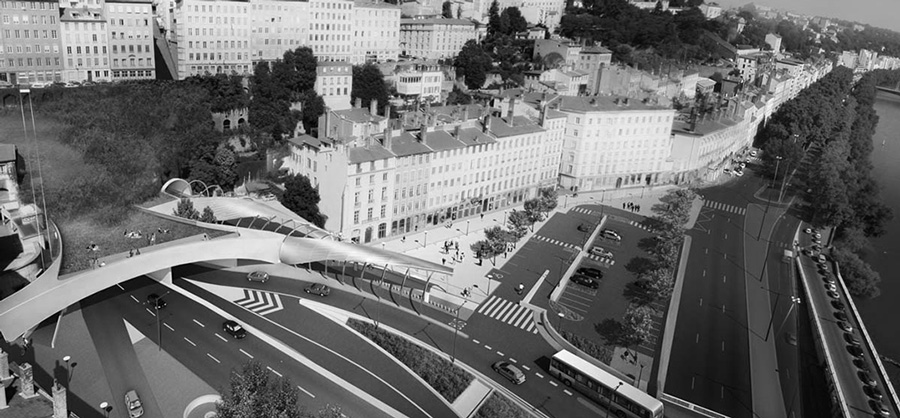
(493, 300)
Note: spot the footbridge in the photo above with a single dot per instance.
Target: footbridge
(895, 92)
(50, 294)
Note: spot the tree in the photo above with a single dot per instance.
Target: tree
(660, 284)
(518, 222)
(494, 18)
(549, 199)
(296, 71)
(488, 249)
(473, 63)
(313, 107)
(512, 21)
(636, 325)
(208, 216)
(458, 97)
(185, 209)
(254, 393)
(859, 277)
(301, 198)
(368, 85)
(447, 10)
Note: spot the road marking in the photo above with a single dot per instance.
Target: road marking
(306, 392)
(726, 236)
(167, 326)
(704, 273)
(566, 391)
(274, 371)
(706, 251)
(553, 383)
(245, 353)
(135, 299)
(725, 256)
(723, 392)
(150, 312)
(220, 337)
(697, 339)
(526, 367)
(120, 286)
(692, 383)
(488, 347)
(198, 323)
(513, 360)
(500, 354)
(723, 345)
(476, 342)
(539, 375)
(701, 301)
(215, 359)
(723, 308)
(723, 279)
(191, 342)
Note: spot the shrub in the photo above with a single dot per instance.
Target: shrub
(589, 347)
(208, 215)
(500, 406)
(450, 381)
(186, 209)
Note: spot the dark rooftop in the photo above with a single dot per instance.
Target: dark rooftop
(358, 115)
(7, 152)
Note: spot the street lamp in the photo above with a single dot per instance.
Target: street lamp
(456, 332)
(158, 323)
(467, 227)
(559, 324)
(774, 179)
(105, 406)
(794, 301)
(609, 403)
(425, 241)
(68, 372)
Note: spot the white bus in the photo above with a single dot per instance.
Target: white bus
(597, 384)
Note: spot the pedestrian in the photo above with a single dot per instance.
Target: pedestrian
(482, 216)
(457, 252)
(623, 205)
(137, 251)
(444, 261)
(520, 288)
(403, 239)
(456, 244)
(131, 253)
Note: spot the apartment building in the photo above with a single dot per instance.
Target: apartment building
(423, 82)
(277, 26)
(330, 29)
(435, 38)
(558, 52)
(30, 42)
(334, 81)
(613, 142)
(377, 181)
(130, 27)
(376, 31)
(213, 36)
(590, 60)
(85, 44)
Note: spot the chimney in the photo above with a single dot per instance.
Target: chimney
(486, 124)
(693, 119)
(511, 112)
(373, 107)
(456, 131)
(465, 113)
(423, 131)
(387, 112)
(387, 141)
(358, 103)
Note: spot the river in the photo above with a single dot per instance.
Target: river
(880, 313)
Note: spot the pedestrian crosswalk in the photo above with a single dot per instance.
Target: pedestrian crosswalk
(580, 209)
(599, 259)
(262, 303)
(637, 224)
(555, 241)
(724, 207)
(510, 313)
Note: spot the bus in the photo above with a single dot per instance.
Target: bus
(597, 384)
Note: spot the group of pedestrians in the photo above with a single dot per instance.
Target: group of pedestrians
(631, 206)
(453, 246)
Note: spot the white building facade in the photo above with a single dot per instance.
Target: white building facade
(277, 26)
(435, 38)
(213, 37)
(330, 29)
(376, 31)
(84, 43)
(334, 82)
(131, 39)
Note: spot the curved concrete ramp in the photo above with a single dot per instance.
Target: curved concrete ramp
(49, 294)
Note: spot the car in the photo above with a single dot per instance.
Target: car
(509, 371)
(834, 295)
(317, 289)
(873, 392)
(831, 287)
(133, 404)
(823, 266)
(72, 84)
(258, 276)
(856, 351)
(866, 378)
(585, 228)
(827, 279)
(590, 272)
(753, 153)
(879, 408)
(727, 171)
(821, 258)
(88, 83)
(585, 281)
(840, 316)
(601, 252)
(808, 230)
(40, 84)
(861, 364)
(844, 326)
(836, 304)
(818, 236)
(610, 234)
(156, 301)
(234, 329)
(739, 173)
(5, 84)
(743, 165)
(851, 339)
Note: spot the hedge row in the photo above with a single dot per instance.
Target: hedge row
(592, 348)
(500, 406)
(449, 380)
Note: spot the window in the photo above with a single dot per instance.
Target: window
(369, 213)
(356, 217)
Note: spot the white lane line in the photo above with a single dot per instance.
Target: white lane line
(692, 383)
(245, 353)
(274, 371)
(476, 341)
(487, 346)
(500, 354)
(135, 299)
(697, 340)
(198, 323)
(553, 383)
(214, 359)
(513, 360)
(723, 279)
(306, 392)
(723, 345)
(120, 286)
(566, 391)
(167, 326)
(189, 341)
(220, 337)
(539, 375)
(526, 367)
(150, 312)
(704, 273)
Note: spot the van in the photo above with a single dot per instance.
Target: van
(610, 234)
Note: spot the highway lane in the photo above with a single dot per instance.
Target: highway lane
(710, 352)
(193, 335)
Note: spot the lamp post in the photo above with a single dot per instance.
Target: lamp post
(425, 241)
(106, 408)
(456, 332)
(774, 180)
(158, 322)
(559, 324)
(640, 375)
(609, 403)
(68, 372)
(504, 218)
(467, 227)
(794, 301)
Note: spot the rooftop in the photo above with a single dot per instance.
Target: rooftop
(605, 103)
(7, 152)
(521, 126)
(595, 50)
(372, 4)
(436, 22)
(406, 144)
(81, 14)
(371, 152)
(703, 127)
(358, 115)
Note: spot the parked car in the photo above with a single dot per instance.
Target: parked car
(234, 329)
(317, 289)
(258, 276)
(133, 403)
(739, 173)
(590, 272)
(851, 339)
(509, 371)
(727, 171)
(610, 234)
(840, 316)
(836, 304)
(844, 326)
(585, 281)
(861, 364)
(866, 378)
(40, 84)
(753, 153)
(821, 258)
(879, 408)
(156, 301)
(72, 84)
(5, 84)
(601, 252)
(856, 351)
(831, 287)
(873, 392)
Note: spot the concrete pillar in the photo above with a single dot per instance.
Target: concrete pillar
(26, 381)
(3, 404)
(60, 409)
(4, 365)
